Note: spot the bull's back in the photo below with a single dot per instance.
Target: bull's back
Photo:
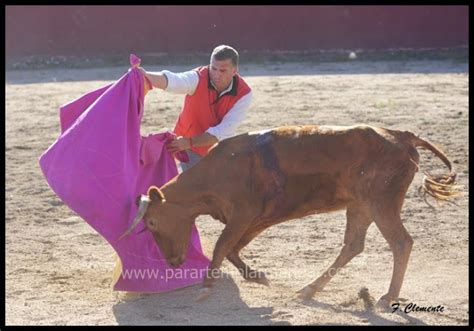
(312, 148)
(322, 149)
(299, 170)
(303, 149)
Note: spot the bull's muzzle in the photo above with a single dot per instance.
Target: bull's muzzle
(144, 201)
(177, 261)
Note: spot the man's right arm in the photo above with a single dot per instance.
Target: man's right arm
(182, 83)
(157, 79)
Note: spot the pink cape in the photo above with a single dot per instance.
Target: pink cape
(100, 164)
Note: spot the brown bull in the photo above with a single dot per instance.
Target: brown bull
(255, 180)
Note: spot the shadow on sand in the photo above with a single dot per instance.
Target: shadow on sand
(371, 316)
(223, 307)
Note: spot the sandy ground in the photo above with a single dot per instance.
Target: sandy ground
(59, 271)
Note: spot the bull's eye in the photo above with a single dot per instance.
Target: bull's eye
(149, 224)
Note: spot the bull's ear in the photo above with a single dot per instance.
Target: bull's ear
(155, 194)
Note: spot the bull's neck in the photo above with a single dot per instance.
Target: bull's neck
(192, 192)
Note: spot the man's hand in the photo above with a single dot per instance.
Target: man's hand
(147, 82)
(156, 79)
(178, 144)
(142, 70)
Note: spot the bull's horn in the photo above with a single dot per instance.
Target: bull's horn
(141, 212)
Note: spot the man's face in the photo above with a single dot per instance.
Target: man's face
(221, 73)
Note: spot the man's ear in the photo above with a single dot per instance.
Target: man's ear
(155, 194)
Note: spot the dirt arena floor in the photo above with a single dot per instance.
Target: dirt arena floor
(59, 270)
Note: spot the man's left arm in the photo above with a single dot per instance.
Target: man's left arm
(226, 129)
(231, 121)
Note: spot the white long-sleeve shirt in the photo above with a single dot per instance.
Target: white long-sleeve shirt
(187, 82)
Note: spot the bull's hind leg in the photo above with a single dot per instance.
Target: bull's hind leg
(247, 272)
(358, 221)
(387, 218)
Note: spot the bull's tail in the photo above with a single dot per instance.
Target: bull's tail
(441, 187)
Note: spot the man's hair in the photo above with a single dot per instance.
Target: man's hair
(224, 52)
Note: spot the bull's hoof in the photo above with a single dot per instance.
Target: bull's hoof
(384, 304)
(204, 294)
(258, 277)
(306, 293)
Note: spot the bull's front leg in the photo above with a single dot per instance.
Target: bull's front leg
(226, 242)
(248, 273)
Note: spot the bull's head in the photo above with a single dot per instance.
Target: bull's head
(170, 224)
